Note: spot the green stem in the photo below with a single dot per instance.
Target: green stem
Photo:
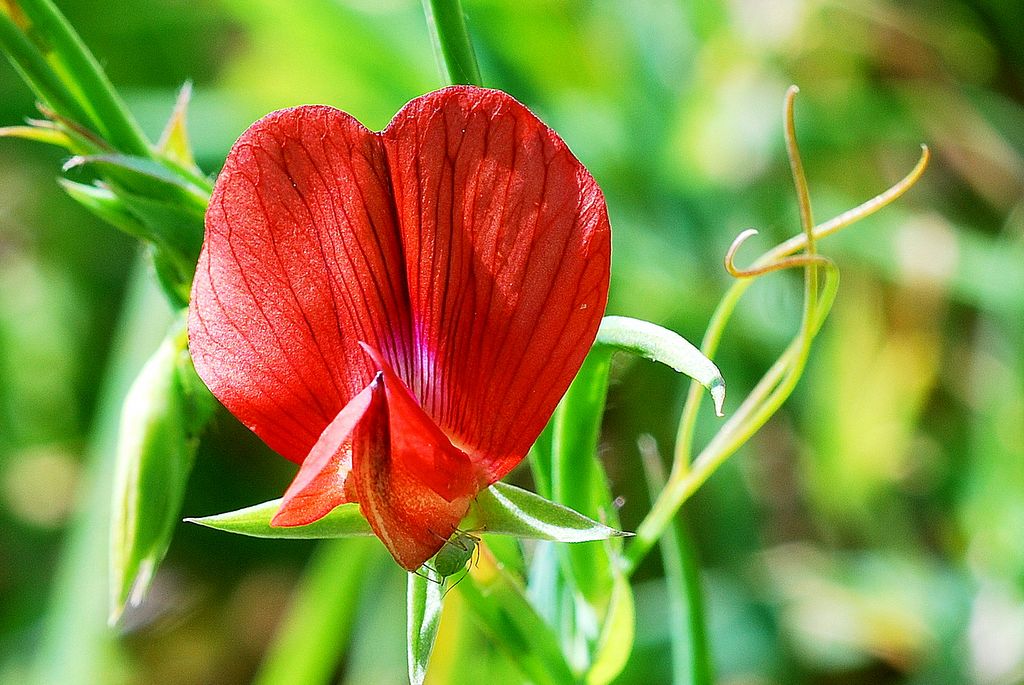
(803, 195)
(861, 211)
(454, 50)
(781, 378)
(312, 637)
(691, 656)
(762, 402)
(110, 116)
(723, 312)
(713, 336)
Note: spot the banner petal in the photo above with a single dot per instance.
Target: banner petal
(299, 262)
(507, 250)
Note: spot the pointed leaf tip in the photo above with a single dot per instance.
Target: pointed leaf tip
(254, 521)
(717, 390)
(174, 142)
(504, 509)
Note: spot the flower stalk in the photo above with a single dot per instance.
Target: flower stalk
(452, 46)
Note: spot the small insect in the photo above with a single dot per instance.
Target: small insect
(451, 559)
(457, 551)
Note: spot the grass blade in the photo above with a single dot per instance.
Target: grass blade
(315, 632)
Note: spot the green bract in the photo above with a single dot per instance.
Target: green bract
(162, 415)
(502, 509)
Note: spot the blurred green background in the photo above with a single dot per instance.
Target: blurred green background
(873, 532)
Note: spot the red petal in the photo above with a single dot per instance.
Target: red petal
(507, 253)
(410, 518)
(477, 313)
(373, 454)
(299, 263)
(417, 440)
(322, 482)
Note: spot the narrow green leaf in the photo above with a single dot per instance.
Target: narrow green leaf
(659, 344)
(343, 522)
(84, 76)
(617, 633)
(424, 616)
(691, 656)
(504, 509)
(501, 609)
(38, 73)
(314, 633)
(540, 461)
(594, 589)
(50, 136)
(546, 584)
(579, 480)
(156, 448)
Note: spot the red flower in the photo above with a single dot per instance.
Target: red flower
(401, 311)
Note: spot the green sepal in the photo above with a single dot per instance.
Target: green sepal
(174, 232)
(174, 146)
(504, 509)
(168, 210)
(145, 177)
(342, 522)
(102, 202)
(501, 509)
